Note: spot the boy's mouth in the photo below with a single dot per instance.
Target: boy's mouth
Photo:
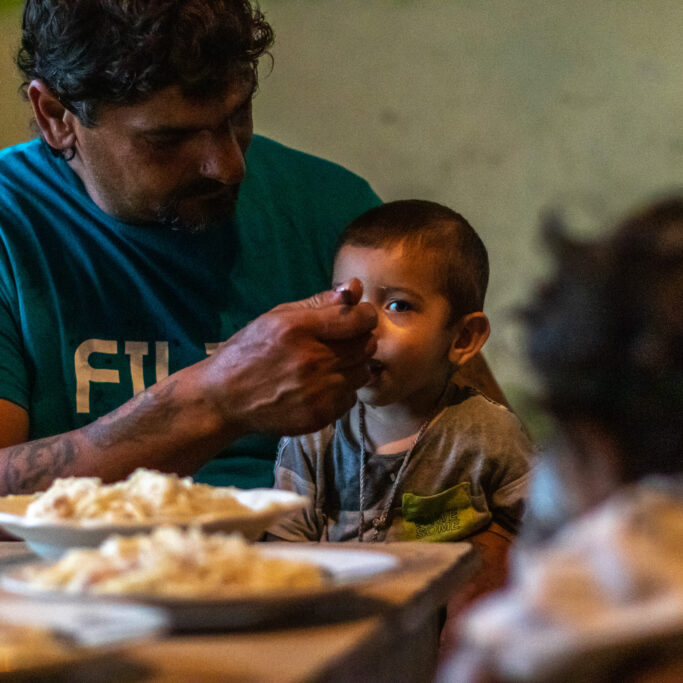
(376, 368)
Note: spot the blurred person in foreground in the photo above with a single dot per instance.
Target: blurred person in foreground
(147, 240)
(596, 592)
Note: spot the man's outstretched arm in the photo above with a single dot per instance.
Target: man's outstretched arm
(291, 371)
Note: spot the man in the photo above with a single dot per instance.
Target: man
(147, 226)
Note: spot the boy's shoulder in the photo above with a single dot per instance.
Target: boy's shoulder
(466, 400)
(472, 416)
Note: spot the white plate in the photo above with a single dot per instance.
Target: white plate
(347, 569)
(51, 538)
(85, 632)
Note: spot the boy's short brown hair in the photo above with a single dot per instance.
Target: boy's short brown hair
(459, 256)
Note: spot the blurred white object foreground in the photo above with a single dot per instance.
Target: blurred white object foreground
(605, 593)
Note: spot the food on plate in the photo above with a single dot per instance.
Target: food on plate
(173, 562)
(145, 496)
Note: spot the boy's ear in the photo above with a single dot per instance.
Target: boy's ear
(55, 121)
(471, 331)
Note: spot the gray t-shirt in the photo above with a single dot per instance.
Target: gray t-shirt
(469, 468)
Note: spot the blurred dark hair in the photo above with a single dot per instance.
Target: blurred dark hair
(606, 335)
(114, 52)
(458, 255)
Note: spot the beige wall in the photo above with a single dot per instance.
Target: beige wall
(14, 116)
(499, 108)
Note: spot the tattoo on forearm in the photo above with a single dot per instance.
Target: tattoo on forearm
(34, 465)
(146, 415)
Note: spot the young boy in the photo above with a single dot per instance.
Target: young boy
(418, 457)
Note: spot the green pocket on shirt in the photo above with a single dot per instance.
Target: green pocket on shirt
(446, 516)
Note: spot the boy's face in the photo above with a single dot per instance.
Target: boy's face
(411, 364)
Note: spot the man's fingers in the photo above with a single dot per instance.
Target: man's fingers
(358, 375)
(334, 322)
(346, 294)
(345, 322)
(350, 291)
(350, 352)
(335, 313)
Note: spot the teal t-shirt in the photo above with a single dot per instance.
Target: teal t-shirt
(93, 310)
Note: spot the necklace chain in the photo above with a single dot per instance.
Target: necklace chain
(380, 523)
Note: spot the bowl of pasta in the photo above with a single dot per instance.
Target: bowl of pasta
(204, 580)
(84, 511)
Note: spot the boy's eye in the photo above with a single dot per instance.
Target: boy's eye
(399, 306)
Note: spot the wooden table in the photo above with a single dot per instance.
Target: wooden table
(386, 630)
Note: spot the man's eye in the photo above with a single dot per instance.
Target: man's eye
(242, 115)
(399, 306)
(164, 140)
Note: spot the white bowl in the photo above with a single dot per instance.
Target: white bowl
(51, 538)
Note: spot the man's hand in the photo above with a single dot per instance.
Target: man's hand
(297, 367)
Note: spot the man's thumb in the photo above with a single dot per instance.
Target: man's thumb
(348, 293)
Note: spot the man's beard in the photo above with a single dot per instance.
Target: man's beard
(199, 208)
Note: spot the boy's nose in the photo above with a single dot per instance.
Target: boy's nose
(380, 321)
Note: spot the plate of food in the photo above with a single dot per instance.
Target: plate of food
(203, 581)
(45, 639)
(83, 511)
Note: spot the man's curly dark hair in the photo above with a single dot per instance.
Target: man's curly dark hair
(606, 335)
(91, 53)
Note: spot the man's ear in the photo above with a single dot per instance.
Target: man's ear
(55, 121)
(471, 331)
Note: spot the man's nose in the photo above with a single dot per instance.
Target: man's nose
(223, 157)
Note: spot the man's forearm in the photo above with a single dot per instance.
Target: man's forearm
(165, 427)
